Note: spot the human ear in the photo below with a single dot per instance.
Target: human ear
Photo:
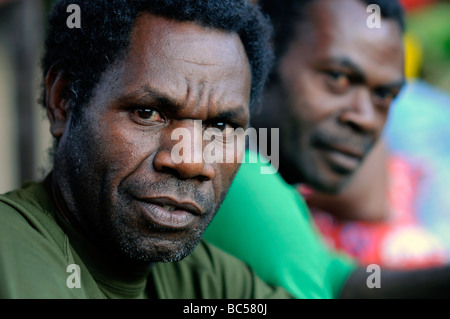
(57, 104)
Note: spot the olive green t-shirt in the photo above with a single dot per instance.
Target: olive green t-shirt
(43, 257)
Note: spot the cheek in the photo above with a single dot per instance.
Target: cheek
(311, 100)
(383, 117)
(123, 151)
(314, 105)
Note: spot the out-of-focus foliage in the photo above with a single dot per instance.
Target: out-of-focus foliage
(430, 25)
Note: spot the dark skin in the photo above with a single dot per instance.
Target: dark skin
(360, 200)
(332, 100)
(337, 81)
(114, 178)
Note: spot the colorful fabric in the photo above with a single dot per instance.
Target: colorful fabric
(418, 131)
(400, 242)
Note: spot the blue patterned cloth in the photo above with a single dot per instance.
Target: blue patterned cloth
(418, 129)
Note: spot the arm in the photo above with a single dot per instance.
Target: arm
(422, 283)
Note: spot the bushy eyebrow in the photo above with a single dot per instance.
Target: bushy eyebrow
(147, 97)
(358, 74)
(235, 117)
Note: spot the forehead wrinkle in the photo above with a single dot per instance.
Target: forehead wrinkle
(219, 98)
(187, 60)
(195, 40)
(207, 102)
(194, 102)
(190, 94)
(204, 98)
(191, 63)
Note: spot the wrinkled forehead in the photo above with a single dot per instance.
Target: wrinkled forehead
(176, 40)
(180, 58)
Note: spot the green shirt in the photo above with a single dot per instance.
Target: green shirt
(37, 251)
(273, 232)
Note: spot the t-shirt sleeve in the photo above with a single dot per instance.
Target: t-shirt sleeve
(30, 267)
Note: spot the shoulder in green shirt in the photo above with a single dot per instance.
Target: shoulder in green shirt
(273, 232)
(38, 251)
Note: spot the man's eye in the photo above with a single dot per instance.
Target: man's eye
(384, 97)
(338, 81)
(384, 94)
(147, 115)
(224, 127)
(220, 131)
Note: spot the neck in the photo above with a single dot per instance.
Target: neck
(289, 172)
(90, 249)
(60, 203)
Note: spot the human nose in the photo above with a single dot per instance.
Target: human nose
(189, 165)
(360, 114)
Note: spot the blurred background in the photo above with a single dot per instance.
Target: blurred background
(24, 133)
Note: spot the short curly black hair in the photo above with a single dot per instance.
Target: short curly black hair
(84, 54)
(286, 14)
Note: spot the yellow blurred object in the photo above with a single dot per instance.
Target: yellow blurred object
(413, 56)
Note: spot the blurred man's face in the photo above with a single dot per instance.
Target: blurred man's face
(115, 169)
(339, 78)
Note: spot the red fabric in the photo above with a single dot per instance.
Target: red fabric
(400, 241)
(411, 5)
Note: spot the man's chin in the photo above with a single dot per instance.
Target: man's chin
(156, 251)
(331, 183)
